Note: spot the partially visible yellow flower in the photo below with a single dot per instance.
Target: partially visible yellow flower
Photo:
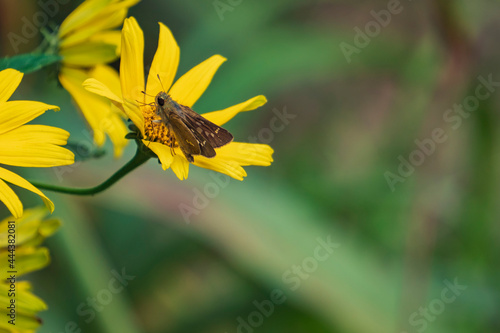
(87, 42)
(29, 231)
(26, 145)
(230, 158)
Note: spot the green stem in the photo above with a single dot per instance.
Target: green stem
(140, 158)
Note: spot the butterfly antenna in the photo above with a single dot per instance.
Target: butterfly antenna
(144, 104)
(158, 75)
(146, 94)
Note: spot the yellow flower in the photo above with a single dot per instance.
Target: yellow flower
(230, 158)
(87, 42)
(26, 145)
(29, 231)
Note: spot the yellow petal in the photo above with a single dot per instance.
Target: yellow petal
(12, 178)
(84, 13)
(117, 137)
(93, 27)
(133, 111)
(109, 76)
(26, 323)
(34, 134)
(26, 304)
(132, 63)
(106, 18)
(165, 63)
(27, 227)
(246, 153)
(35, 146)
(37, 213)
(14, 114)
(121, 4)
(91, 106)
(112, 16)
(96, 87)
(163, 152)
(96, 109)
(229, 168)
(223, 116)
(113, 37)
(188, 89)
(28, 259)
(9, 81)
(89, 54)
(11, 200)
(230, 158)
(49, 227)
(31, 229)
(180, 166)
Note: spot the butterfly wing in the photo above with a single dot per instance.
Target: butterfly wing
(214, 135)
(206, 148)
(187, 140)
(195, 134)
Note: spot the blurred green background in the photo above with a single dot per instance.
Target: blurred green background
(399, 247)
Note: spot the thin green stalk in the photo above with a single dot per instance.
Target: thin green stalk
(140, 158)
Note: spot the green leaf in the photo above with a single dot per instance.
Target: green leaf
(28, 63)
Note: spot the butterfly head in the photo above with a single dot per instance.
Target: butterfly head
(162, 100)
(164, 104)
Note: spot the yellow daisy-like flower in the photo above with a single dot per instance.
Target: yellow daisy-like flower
(87, 42)
(28, 233)
(230, 158)
(26, 145)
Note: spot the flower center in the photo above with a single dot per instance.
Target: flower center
(155, 131)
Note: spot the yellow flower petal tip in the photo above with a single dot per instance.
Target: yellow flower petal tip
(189, 88)
(11, 79)
(223, 116)
(53, 108)
(101, 89)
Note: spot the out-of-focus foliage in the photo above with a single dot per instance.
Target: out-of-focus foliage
(350, 123)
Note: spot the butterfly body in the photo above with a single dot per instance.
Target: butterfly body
(194, 134)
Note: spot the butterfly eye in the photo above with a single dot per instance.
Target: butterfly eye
(161, 101)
